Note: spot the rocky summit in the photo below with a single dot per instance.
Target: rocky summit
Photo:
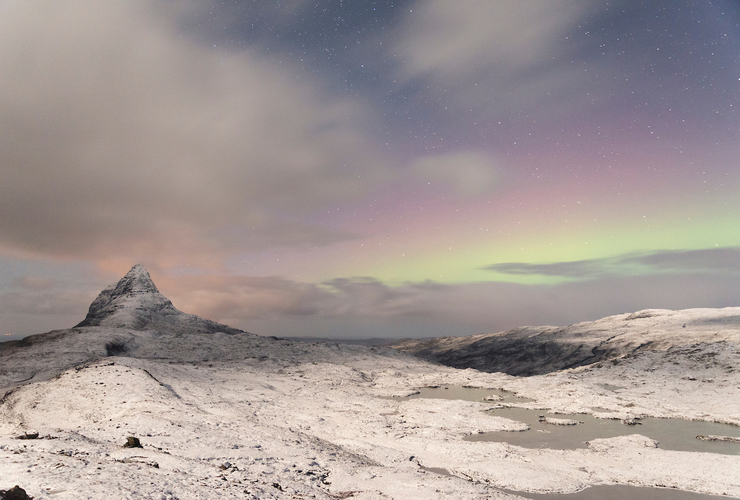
(130, 303)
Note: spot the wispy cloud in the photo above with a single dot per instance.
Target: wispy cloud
(468, 173)
(575, 269)
(506, 55)
(723, 260)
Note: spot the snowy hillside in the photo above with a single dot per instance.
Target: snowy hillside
(222, 413)
(539, 350)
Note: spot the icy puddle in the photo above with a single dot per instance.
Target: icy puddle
(465, 394)
(671, 434)
(618, 492)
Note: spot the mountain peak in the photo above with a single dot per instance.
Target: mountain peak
(134, 302)
(136, 281)
(129, 303)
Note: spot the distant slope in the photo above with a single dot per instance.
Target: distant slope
(538, 350)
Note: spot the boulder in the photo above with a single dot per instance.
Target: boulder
(15, 493)
(132, 442)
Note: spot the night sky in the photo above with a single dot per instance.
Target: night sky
(370, 169)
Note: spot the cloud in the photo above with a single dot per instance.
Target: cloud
(120, 136)
(469, 173)
(574, 269)
(34, 304)
(31, 283)
(47, 302)
(711, 260)
(722, 260)
(240, 299)
(507, 55)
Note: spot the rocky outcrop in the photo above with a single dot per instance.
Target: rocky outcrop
(132, 442)
(133, 302)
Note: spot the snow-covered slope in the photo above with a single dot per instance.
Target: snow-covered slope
(544, 349)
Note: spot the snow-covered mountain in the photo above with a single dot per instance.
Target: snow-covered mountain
(135, 303)
(129, 318)
(132, 318)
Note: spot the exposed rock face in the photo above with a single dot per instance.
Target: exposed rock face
(135, 303)
(132, 442)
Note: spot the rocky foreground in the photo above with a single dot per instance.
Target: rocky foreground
(221, 413)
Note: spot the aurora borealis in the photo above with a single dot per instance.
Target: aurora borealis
(349, 169)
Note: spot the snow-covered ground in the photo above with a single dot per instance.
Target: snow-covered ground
(234, 415)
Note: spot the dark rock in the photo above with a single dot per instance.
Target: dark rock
(132, 442)
(15, 493)
(29, 435)
(115, 347)
(724, 439)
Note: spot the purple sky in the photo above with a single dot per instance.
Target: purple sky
(370, 169)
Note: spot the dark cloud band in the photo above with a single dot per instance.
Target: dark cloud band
(712, 260)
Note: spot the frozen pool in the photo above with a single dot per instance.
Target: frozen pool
(465, 394)
(671, 433)
(619, 492)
